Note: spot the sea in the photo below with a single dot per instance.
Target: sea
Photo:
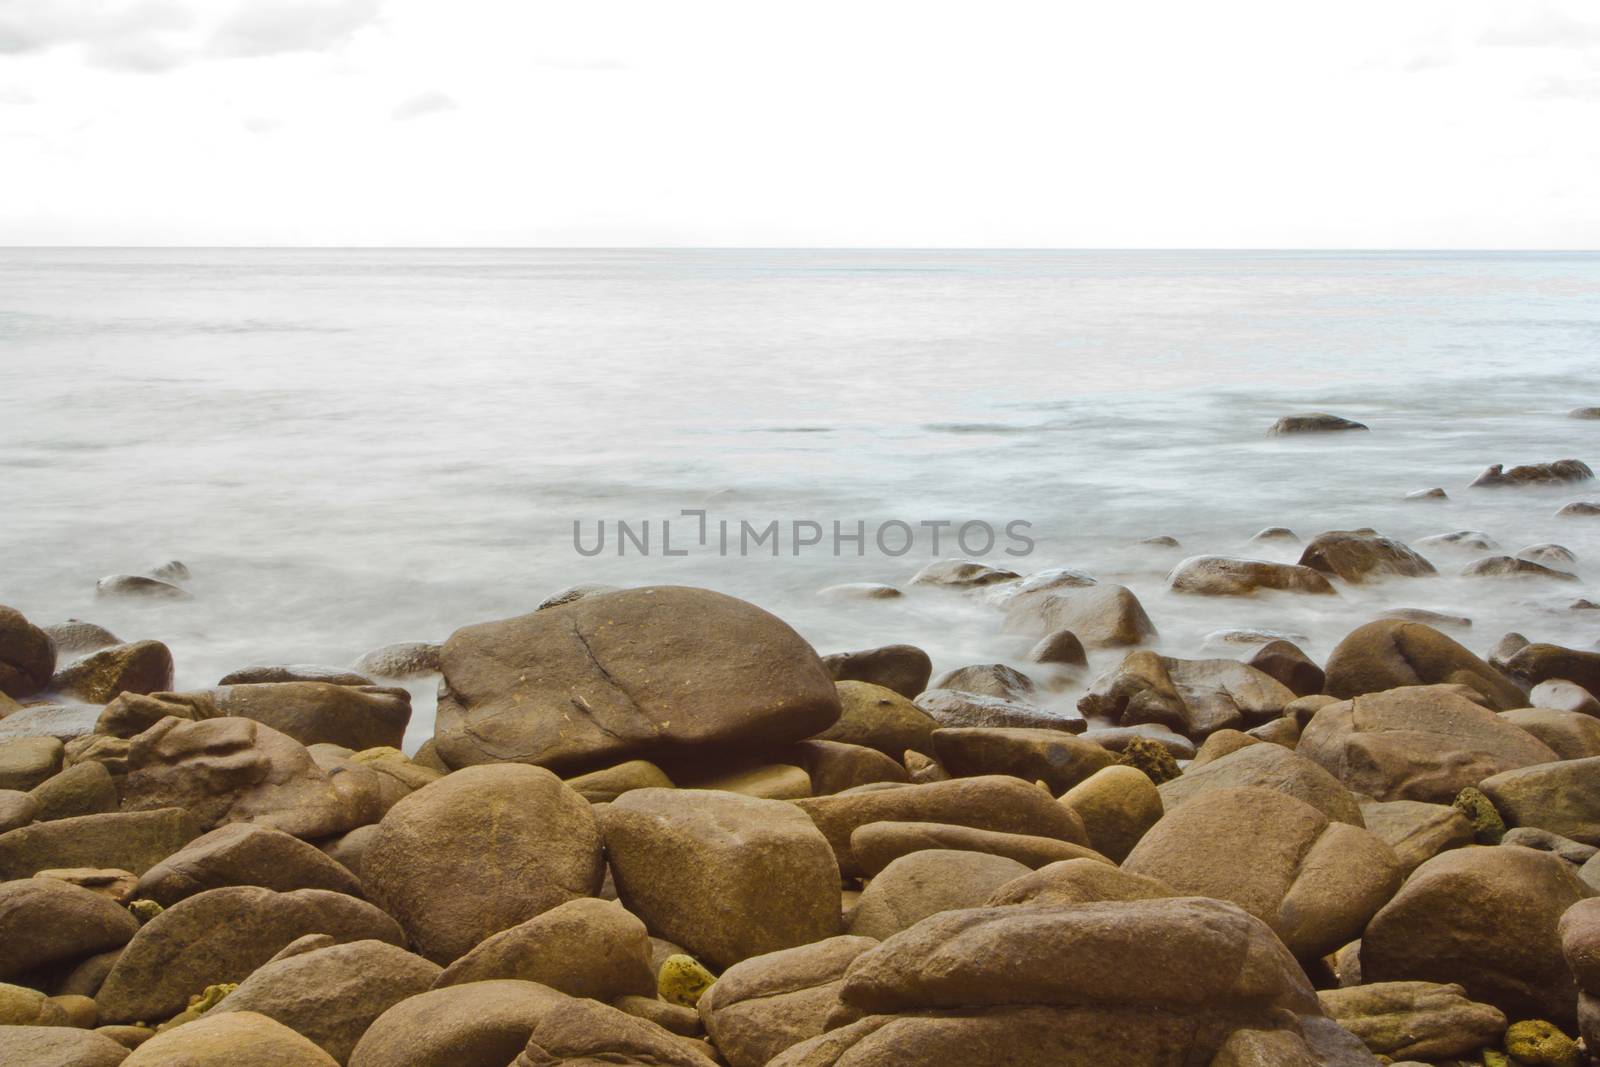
(353, 447)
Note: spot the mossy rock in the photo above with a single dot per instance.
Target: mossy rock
(1152, 758)
(145, 910)
(683, 980)
(1487, 825)
(199, 1004)
(1536, 1043)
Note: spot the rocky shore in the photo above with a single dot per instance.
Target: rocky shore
(654, 826)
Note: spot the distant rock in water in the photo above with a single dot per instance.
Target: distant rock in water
(292, 672)
(1584, 413)
(574, 592)
(1356, 556)
(860, 591)
(962, 574)
(1466, 540)
(1277, 533)
(137, 586)
(171, 571)
(1226, 576)
(1511, 567)
(1435, 493)
(1560, 472)
(75, 637)
(1312, 422)
(1579, 509)
(408, 659)
(1549, 555)
(1161, 541)
(1431, 618)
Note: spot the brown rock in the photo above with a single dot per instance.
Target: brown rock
(1118, 805)
(1412, 1019)
(767, 1003)
(1484, 917)
(1388, 654)
(109, 882)
(1078, 881)
(604, 786)
(47, 921)
(357, 717)
(1054, 757)
(244, 854)
(584, 948)
(988, 679)
(1191, 697)
(725, 876)
(82, 789)
(27, 655)
(1538, 663)
(1358, 556)
(1579, 931)
(1560, 472)
(58, 1046)
(1061, 648)
(880, 718)
(1417, 743)
(1314, 881)
(953, 708)
(1511, 567)
(139, 667)
(75, 637)
(530, 842)
(1285, 662)
(27, 761)
(1569, 734)
(1561, 695)
(222, 935)
(1271, 767)
(902, 669)
(991, 802)
(1417, 831)
(640, 673)
(291, 672)
(878, 844)
(773, 781)
(962, 574)
(63, 722)
(1563, 798)
(229, 1039)
(407, 659)
(921, 884)
(1101, 615)
(1312, 422)
(834, 766)
(1226, 576)
(128, 841)
(16, 809)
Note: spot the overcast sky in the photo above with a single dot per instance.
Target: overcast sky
(1074, 123)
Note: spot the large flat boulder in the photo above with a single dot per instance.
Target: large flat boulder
(1191, 697)
(1391, 653)
(1563, 798)
(1228, 576)
(651, 673)
(125, 840)
(355, 716)
(1359, 555)
(584, 948)
(1102, 615)
(47, 921)
(244, 854)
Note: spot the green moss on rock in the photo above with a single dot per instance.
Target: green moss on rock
(1536, 1043)
(683, 980)
(1152, 758)
(1487, 825)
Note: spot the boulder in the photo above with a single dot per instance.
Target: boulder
(1407, 1020)
(46, 921)
(725, 876)
(75, 637)
(27, 655)
(1558, 694)
(109, 882)
(1061, 648)
(880, 718)
(902, 669)
(81, 789)
(1312, 422)
(991, 802)
(1271, 767)
(584, 948)
(1120, 738)
(223, 935)
(1227, 576)
(1551, 555)
(833, 766)
(924, 883)
(962, 574)
(1389, 653)
(229, 1039)
(407, 659)
(988, 679)
(770, 781)
(244, 854)
(1563, 797)
(1561, 472)
(1190, 697)
(1578, 509)
(1538, 662)
(1484, 917)
(357, 717)
(508, 1023)
(63, 722)
(1574, 852)
(58, 1046)
(1511, 567)
(860, 591)
(1579, 931)
(1078, 881)
(331, 993)
(1276, 533)
(1417, 743)
(290, 672)
(1417, 831)
(1316, 882)
(530, 842)
(98, 678)
(953, 708)
(646, 673)
(1054, 757)
(1358, 557)
(1283, 661)
(763, 1005)
(16, 809)
(129, 840)
(1102, 615)
(1117, 805)
(606, 785)
(878, 844)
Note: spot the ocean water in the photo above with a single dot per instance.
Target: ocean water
(355, 447)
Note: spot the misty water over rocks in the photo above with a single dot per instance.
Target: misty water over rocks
(352, 448)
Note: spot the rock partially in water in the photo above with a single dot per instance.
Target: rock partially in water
(1359, 556)
(1277, 533)
(137, 587)
(1560, 472)
(1578, 509)
(357, 717)
(1389, 653)
(1541, 662)
(1285, 662)
(988, 679)
(1427, 495)
(292, 672)
(1229, 576)
(860, 591)
(903, 668)
(100, 677)
(1562, 695)
(1312, 422)
(1101, 615)
(1464, 540)
(75, 637)
(408, 659)
(1427, 617)
(1191, 697)
(27, 655)
(1511, 567)
(1061, 648)
(963, 574)
(1584, 413)
(173, 570)
(951, 707)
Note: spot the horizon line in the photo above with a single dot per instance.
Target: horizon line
(780, 248)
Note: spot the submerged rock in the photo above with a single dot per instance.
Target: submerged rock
(1389, 653)
(1557, 473)
(963, 574)
(1312, 422)
(137, 587)
(1359, 556)
(409, 659)
(1102, 615)
(1191, 697)
(1227, 576)
(1511, 567)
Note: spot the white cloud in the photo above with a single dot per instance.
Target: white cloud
(275, 27)
(424, 104)
(1543, 26)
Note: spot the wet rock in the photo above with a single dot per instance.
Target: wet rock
(45, 921)
(764, 1005)
(63, 722)
(860, 591)
(1411, 1019)
(1119, 738)
(75, 637)
(1357, 557)
(530, 842)
(1569, 734)
(357, 717)
(575, 592)
(129, 841)
(1286, 663)
(878, 844)
(408, 659)
(1227, 576)
(1562, 797)
(880, 718)
(1578, 509)
(244, 854)
(222, 935)
(1102, 615)
(988, 679)
(725, 876)
(27, 655)
(833, 766)
(904, 669)
(27, 761)
(1314, 881)
(331, 993)
(292, 672)
(604, 786)
(1417, 831)
(921, 884)
(1419, 743)
(1276, 533)
(238, 770)
(1388, 654)
(584, 948)
(1485, 918)
(1539, 662)
(963, 574)
(1435, 619)
(1511, 567)
(137, 587)
(992, 802)
(82, 789)
(1118, 805)
(640, 673)
(1560, 472)
(1312, 422)
(1427, 495)
(952, 708)
(1054, 757)
(1191, 697)
(1061, 648)
(1270, 767)
(140, 667)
